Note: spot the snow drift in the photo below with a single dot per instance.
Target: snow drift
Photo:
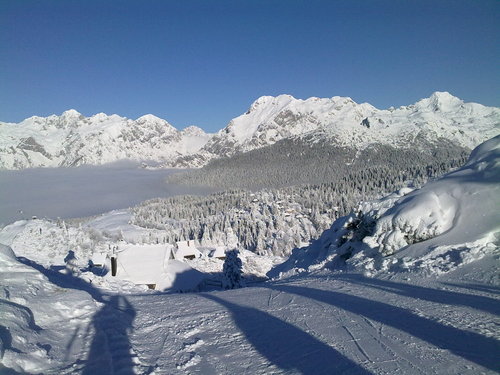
(447, 223)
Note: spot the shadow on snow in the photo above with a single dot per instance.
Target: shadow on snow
(110, 350)
(469, 345)
(447, 297)
(479, 287)
(285, 345)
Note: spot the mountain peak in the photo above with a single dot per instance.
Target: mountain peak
(440, 101)
(154, 122)
(282, 99)
(71, 113)
(193, 130)
(149, 118)
(443, 97)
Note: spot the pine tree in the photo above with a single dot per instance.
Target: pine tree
(232, 271)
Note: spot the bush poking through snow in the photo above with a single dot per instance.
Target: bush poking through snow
(232, 271)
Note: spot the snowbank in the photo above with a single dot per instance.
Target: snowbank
(459, 203)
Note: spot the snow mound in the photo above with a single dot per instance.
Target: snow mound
(447, 223)
(459, 203)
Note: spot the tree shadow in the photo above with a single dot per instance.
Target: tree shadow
(468, 345)
(286, 346)
(479, 287)
(64, 280)
(447, 297)
(110, 348)
(6, 342)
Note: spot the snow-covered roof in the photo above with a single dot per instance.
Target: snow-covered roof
(98, 258)
(143, 264)
(152, 264)
(186, 249)
(218, 252)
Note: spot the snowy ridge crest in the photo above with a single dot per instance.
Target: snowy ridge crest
(343, 122)
(73, 139)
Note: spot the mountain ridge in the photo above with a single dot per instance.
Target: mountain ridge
(73, 139)
(345, 123)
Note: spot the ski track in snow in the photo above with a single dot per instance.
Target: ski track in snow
(316, 324)
(214, 333)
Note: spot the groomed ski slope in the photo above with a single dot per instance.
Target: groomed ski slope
(323, 323)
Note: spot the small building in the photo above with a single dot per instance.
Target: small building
(98, 260)
(219, 253)
(155, 267)
(186, 250)
(143, 264)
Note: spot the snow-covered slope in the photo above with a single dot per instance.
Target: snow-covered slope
(447, 223)
(29, 329)
(72, 139)
(328, 323)
(345, 123)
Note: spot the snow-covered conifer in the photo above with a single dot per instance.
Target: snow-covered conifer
(232, 271)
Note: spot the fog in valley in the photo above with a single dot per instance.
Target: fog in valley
(82, 191)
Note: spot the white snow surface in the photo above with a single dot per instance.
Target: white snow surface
(409, 284)
(323, 323)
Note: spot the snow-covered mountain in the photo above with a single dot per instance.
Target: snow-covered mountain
(342, 122)
(73, 139)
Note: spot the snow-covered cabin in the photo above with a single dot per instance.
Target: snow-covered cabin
(155, 266)
(98, 260)
(219, 253)
(143, 264)
(186, 250)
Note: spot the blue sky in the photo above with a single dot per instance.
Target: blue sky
(204, 62)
